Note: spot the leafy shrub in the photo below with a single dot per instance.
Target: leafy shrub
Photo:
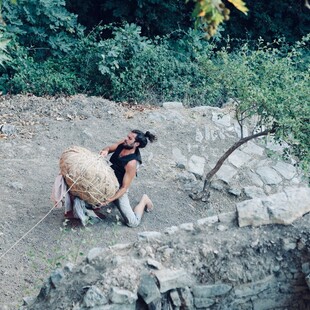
(272, 84)
(129, 66)
(141, 69)
(43, 78)
(4, 57)
(44, 27)
(125, 67)
(74, 73)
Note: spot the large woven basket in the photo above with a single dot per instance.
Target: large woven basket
(88, 175)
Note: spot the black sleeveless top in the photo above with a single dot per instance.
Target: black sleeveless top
(119, 163)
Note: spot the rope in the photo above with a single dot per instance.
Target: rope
(45, 216)
(27, 233)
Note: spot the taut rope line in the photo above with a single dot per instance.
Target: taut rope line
(44, 217)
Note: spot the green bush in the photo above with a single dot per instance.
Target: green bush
(45, 78)
(235, 73)
(126, 67)
(137, 68)
(270, 83)
(77, 72)
(46, 28)
(129, 66)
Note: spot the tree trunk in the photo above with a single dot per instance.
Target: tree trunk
(205, 193)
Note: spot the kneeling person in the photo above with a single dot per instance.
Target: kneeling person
(125, 159)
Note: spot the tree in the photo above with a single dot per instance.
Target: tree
(4, 57)
(270, 87)
(155, 17)
(1, 20)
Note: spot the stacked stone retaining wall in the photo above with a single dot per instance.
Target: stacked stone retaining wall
(191, 266)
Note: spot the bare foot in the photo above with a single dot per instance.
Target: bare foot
(148, 203)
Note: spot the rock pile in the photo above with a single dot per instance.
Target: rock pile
(191, 266)
(280, 208)
(248, 171)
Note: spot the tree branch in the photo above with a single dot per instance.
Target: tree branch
(220, 162)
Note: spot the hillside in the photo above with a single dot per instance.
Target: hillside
(37, 130)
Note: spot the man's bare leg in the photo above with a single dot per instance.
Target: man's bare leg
(145, 204)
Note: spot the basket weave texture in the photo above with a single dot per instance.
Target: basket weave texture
(88, 175)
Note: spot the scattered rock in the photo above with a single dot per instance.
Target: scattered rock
(226, 173)
(173, 105)
(171, 279)
(269, 175)
(8, 129)
(280, 208)
(288, 171)
(239, 158)
(209, 247)
(196, 165)
(94, 297)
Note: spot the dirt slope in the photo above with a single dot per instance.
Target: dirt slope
(43, 129)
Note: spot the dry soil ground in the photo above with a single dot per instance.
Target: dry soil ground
(33, 236)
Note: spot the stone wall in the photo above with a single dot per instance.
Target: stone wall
(199, 265)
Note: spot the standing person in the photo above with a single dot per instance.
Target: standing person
(125, 160)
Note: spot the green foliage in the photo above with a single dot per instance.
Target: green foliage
(74, 73)
(271, 84)
(46, 78)
(4, 57)
(155, 17)
(141, 69)
(45, 27)
(126, 67)
(270, 20)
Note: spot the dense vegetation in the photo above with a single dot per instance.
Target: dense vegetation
(148, 51)
(137, 50)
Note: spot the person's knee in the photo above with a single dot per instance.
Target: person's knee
(131, 225)
(134, 222)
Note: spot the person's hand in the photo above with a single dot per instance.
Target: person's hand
(104, 153)
(105, 203)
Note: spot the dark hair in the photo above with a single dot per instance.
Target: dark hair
(143, 137)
